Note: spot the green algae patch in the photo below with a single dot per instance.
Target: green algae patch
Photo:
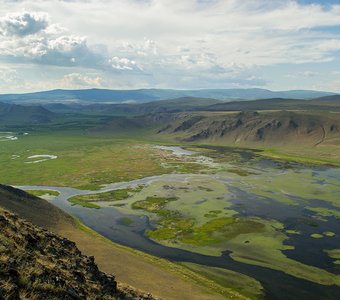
(325, 212)
(335, 254)
(219, 230)
(228, 279)
(291, 231)
(329, 233)
(76, 201)
(162, 233)
(153, 204)
(171, 225)
(316, 236)
(286, 187)
(110, 196)
(45, 194)
(208, 233)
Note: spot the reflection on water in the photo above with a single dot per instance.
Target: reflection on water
(178, 151)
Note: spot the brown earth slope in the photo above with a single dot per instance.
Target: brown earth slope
(37, 264)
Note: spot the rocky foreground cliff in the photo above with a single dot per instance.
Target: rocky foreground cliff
(38, 264)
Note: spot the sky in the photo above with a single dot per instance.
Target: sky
(182, 44)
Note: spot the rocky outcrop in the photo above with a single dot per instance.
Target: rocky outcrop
(252, 128)
(187, 124)
(37, 264)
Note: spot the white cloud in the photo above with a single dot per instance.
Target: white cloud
(248, 32)
(25, 23)
(122, 63)
(51, 49)
(170, 42)
(76, 80)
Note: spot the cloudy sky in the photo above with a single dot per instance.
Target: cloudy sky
(184, 44)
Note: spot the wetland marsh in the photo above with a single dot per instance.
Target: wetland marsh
(274, 221)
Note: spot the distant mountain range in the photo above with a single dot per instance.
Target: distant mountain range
(271, 122)
(327, 103)
(26, 113)
(148, 95)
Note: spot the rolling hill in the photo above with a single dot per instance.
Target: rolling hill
(169, 105)
(12, 114)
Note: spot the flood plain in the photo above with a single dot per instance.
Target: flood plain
(259, 217)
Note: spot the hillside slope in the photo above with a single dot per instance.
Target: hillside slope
(24, 115)
(34, 209)
(37, 264)
(256, 128)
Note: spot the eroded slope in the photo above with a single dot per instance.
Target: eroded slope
(36, 263)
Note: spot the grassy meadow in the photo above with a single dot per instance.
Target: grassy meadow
(83, 161)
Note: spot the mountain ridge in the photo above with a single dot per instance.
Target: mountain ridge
(147, 95)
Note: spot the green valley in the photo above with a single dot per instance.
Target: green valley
(232, 187)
